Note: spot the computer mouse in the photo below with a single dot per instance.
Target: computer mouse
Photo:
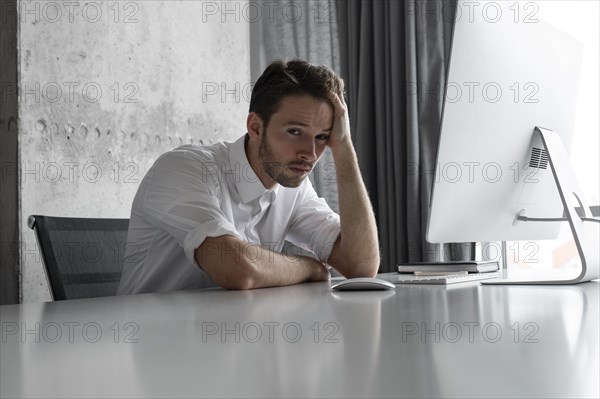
(363, 284)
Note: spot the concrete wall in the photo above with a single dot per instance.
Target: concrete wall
(104, 88)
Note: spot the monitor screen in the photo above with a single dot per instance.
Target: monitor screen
(504, 78)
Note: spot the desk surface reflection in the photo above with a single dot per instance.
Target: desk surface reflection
(307, 341)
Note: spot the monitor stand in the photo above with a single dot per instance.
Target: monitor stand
(585, 230)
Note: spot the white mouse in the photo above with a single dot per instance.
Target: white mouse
(363, 284)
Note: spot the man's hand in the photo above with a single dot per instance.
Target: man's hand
(340, 134)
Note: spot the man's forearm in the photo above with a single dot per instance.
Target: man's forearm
(236, 264)
(357, 252)
(273, 269)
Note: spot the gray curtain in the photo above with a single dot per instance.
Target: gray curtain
(306, 30)
(393, 59)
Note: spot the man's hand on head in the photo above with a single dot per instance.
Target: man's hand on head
(340, 133)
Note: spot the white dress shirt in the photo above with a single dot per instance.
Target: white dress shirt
(192, 193)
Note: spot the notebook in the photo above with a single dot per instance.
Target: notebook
(453, 266)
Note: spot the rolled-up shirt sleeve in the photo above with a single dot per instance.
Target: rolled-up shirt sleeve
(314, 224)
(182, 198)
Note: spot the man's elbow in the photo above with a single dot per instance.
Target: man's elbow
(365, 271)
(362, 267)
(234, 272)
(234, 278)
(237, 284)
(241, 279)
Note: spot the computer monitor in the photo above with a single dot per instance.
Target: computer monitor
(509, 108)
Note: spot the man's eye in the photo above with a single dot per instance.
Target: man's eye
(295, 132)
(322, 137)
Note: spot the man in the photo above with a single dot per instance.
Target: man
(221, 214)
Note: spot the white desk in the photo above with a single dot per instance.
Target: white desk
(514, 342)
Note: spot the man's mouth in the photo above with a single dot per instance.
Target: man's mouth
(301, 169)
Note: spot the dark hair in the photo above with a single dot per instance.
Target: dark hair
(292, 78)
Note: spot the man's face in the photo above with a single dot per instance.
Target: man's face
(295, 139)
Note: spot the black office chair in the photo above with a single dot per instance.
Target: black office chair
(83, 258)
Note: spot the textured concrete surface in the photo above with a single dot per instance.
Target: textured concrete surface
(106, 88)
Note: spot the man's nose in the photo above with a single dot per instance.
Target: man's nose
(308, 151)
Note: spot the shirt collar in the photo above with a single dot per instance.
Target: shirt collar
(247, 182)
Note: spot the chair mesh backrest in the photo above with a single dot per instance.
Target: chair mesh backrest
(83, 257)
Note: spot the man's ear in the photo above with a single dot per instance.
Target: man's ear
(254, 124)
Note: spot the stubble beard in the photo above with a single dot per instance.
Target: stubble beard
(274, 168)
